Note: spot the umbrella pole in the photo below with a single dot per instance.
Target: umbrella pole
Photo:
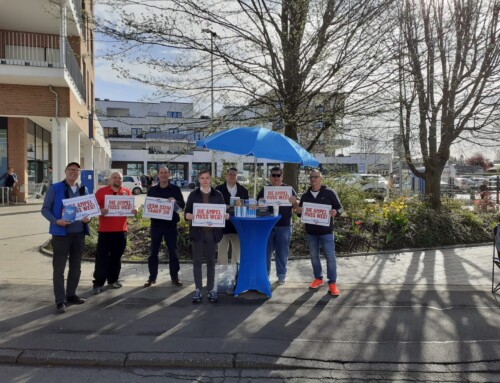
(254, 177)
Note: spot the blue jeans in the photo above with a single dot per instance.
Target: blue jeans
(279, 241)
(328, 245)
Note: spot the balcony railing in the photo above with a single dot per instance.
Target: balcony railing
(39, 50)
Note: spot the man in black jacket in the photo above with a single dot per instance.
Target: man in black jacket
(322, 235)
(229, 189)
(165, 230)
(204, 239)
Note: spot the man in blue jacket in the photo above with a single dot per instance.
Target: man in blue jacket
(68, 239)
(322, 235)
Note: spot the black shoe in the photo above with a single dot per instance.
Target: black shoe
(75, 300)
(61, 308)
(150, 282)
(177, 282)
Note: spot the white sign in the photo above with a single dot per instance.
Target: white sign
(316, 214)
(119, 205)
(278, 195)
(159, 208)
(86, 206)
(209, 215)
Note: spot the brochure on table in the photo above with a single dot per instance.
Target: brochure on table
(278, 195)
(119, 205)
(159, 208)
(209, 215)
(316, 214)
(86, 206)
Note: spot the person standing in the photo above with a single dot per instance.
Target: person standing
(279, 239)
(322, 235)
(112, 237)
(204, 239)
(11, 183)
(68, 239)
(165, 230)
(229, 189)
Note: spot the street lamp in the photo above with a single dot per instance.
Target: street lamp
(212, 36)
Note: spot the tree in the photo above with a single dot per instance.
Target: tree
(284, 58)
(478, 160)
(448, 79)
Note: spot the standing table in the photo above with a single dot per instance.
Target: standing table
(254, 234)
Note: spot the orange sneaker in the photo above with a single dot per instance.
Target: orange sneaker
(316, 283)
(332, 289)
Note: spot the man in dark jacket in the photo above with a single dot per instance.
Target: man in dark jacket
(165, 230)
(68, 239)
(204, 239)
(229, 189)
(322, 235)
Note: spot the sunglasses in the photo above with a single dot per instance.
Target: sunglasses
(275, 175)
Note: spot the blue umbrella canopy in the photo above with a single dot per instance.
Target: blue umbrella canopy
(260, 143)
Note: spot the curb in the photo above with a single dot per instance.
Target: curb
(218, 361)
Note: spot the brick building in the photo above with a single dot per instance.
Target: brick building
(47, 90)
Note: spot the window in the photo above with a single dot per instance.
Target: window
(153, 114)
(174, 114)
(110, 132)
(154, 130)
(135, 168)
(136, 132)
(117, 112)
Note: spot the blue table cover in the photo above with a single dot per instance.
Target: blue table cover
(254, 234)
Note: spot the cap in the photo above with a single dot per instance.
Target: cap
(73, 163)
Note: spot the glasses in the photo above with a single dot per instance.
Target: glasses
(275, 175)
(313, 177)
(232, 174)
(72, 170)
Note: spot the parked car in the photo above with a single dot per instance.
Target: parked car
(373, 184)
(243, 180)
(463, 183)
(134, 184)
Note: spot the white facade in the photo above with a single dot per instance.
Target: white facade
(144, 136)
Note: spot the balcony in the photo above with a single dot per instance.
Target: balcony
(40, 50)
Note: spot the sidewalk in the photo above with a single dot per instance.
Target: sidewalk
(421, 310)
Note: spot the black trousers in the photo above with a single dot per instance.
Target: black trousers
(108, 258)
(68, 247)
(158, 234)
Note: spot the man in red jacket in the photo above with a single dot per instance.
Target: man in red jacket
(112, 237)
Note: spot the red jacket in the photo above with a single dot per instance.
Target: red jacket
(108, 224)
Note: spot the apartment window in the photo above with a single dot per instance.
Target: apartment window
(136, 132)
(154, 130)
(117, 112)
(174, 114)
(110, 132)
(153, 114)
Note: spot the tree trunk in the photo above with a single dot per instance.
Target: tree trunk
(433, 189)
(291, 175)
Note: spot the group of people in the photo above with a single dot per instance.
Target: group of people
(211, 243)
